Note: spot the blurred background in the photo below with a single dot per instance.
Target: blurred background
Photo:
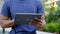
(52, 17)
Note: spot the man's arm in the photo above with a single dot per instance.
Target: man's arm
(40, 22)
(40, 10)
(5, 23)
(43, 21)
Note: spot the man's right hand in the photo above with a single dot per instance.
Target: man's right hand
(7, 23)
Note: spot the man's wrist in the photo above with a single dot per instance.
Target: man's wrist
(12, 22)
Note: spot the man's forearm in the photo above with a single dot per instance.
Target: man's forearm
(5, 23)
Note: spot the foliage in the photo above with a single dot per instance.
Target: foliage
(52, 27)
(53, 16)
(52, 19)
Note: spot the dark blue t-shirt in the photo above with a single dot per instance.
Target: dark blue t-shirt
(11, 7)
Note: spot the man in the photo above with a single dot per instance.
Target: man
(11, 7)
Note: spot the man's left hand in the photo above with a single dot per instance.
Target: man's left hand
(37, 22)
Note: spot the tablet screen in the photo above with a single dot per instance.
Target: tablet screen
(24, 18)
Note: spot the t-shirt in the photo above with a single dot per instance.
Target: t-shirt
(11, 7)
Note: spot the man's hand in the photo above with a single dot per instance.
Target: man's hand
(7, 23)
(38, 22)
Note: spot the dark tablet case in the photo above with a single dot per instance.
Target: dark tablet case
(24, 18)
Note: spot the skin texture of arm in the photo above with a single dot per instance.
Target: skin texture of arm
(5, 23)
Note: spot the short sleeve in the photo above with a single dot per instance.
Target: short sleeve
(5, 8)
(40, 8)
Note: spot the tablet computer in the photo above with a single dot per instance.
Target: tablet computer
(24, 18)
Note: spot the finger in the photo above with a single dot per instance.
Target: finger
(38, 20)
(37, 17)
(33, 21)
(40, 23)
(29, 22)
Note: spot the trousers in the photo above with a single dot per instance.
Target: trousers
(22, 32)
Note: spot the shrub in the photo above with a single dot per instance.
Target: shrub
(53, 16)
(52, 27)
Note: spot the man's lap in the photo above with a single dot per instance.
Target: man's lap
(22, 32)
